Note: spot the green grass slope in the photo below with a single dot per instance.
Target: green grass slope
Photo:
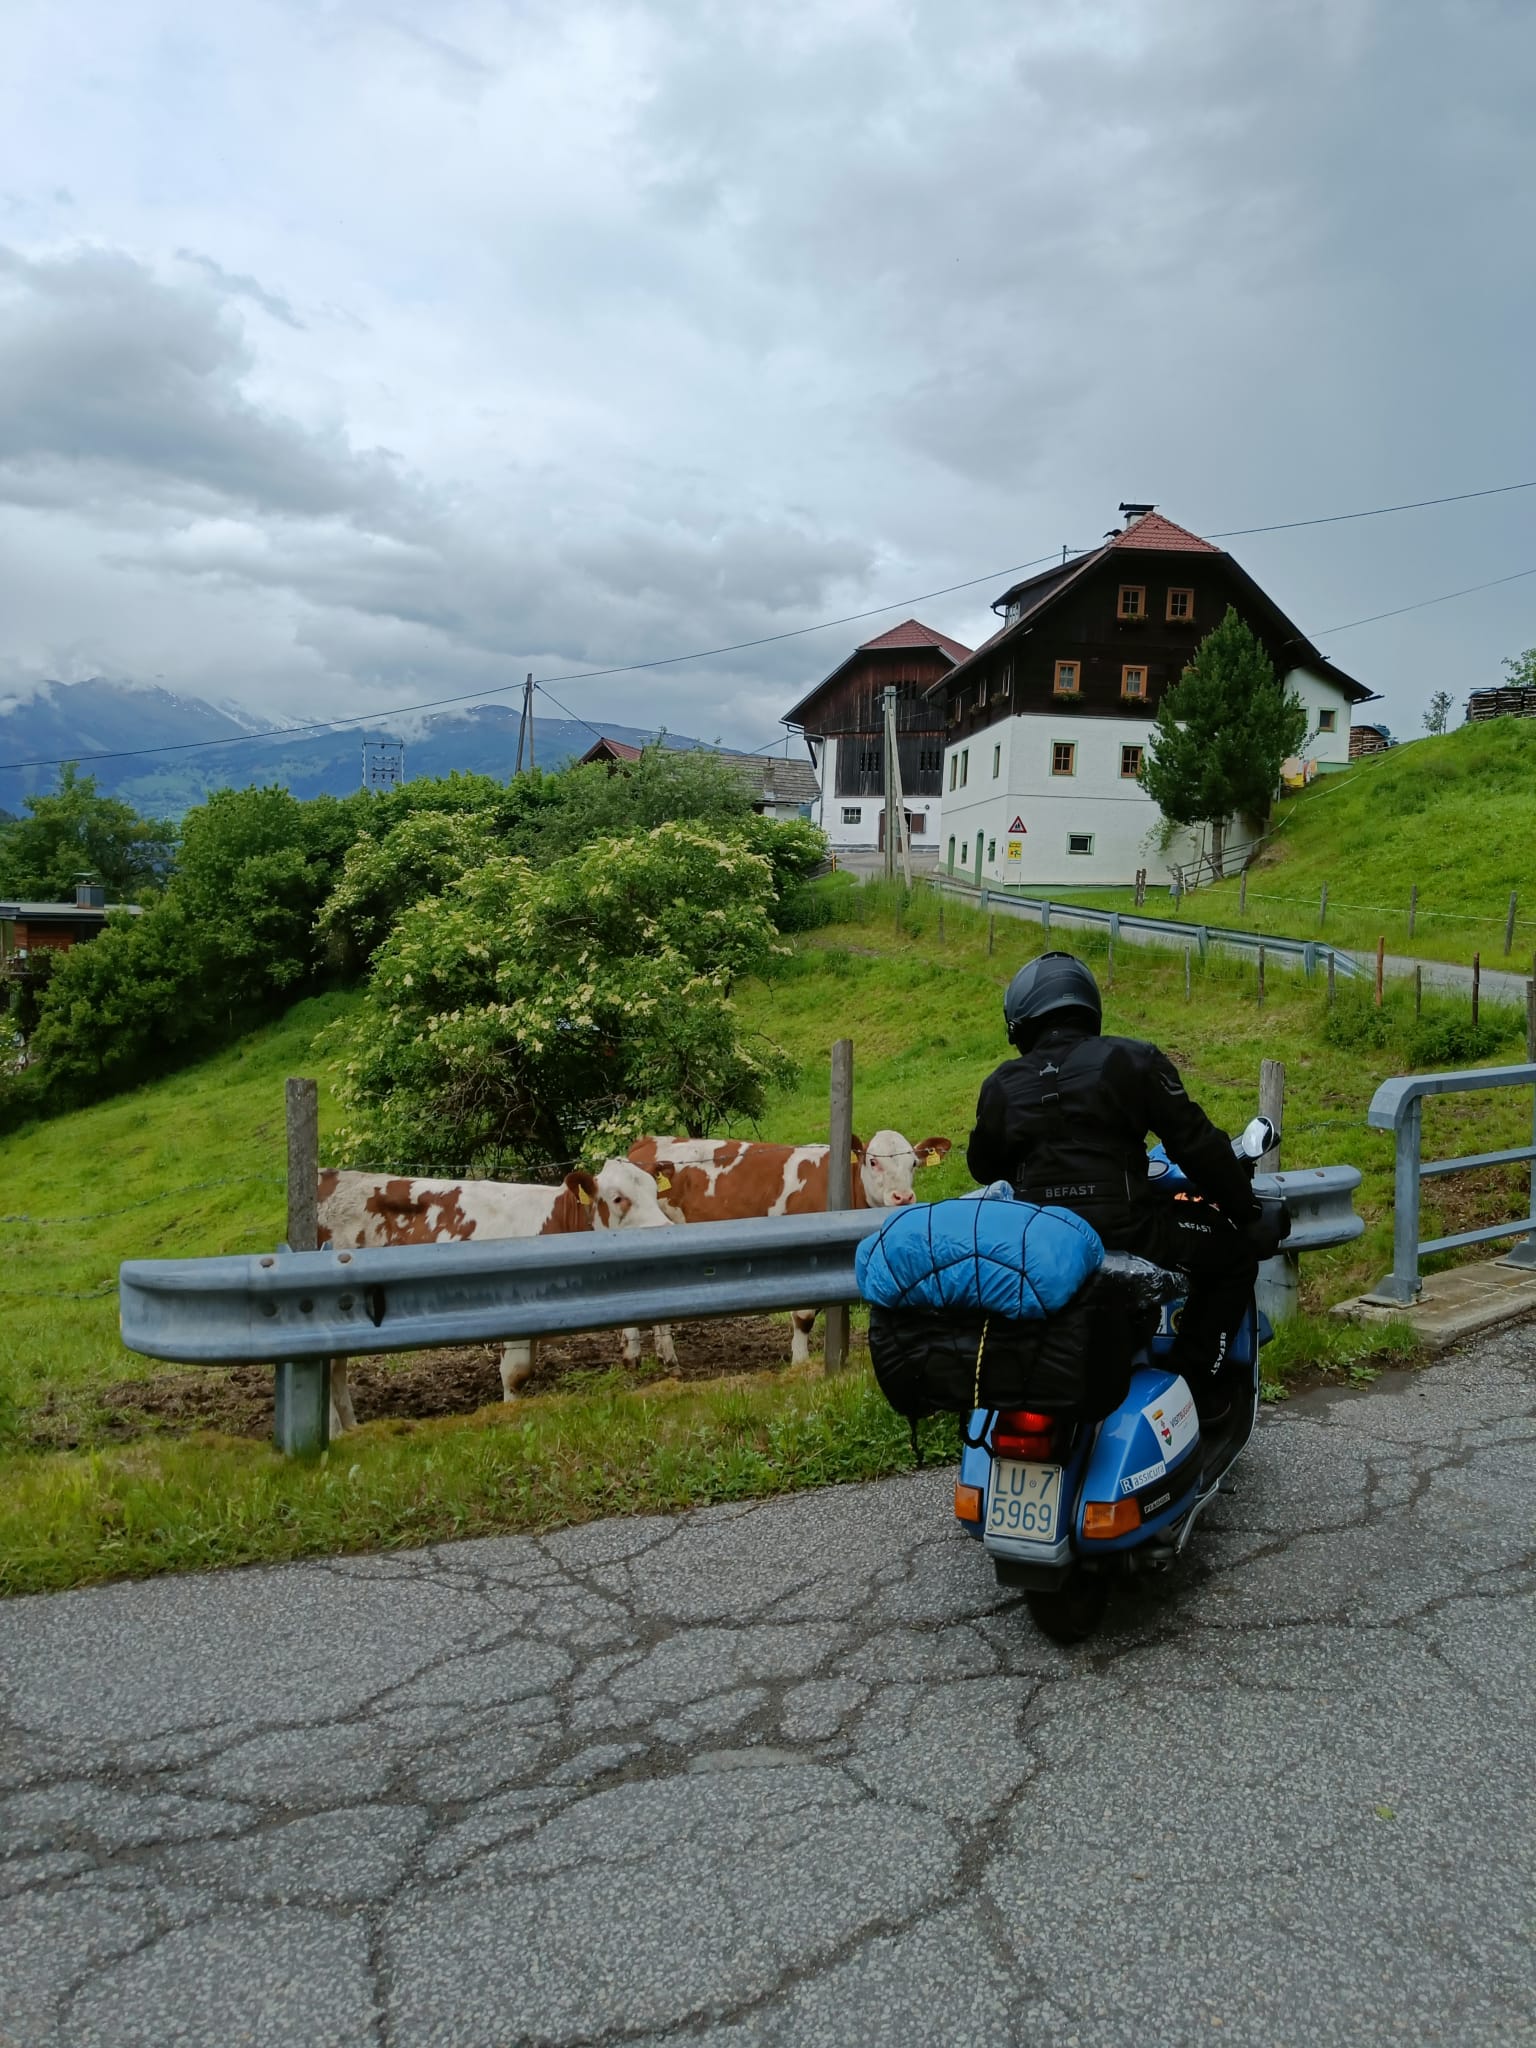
(1454, 815)
(193, 1165)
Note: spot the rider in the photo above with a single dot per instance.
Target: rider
(1066, 1123)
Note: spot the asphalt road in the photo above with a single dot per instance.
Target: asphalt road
(797, 1773)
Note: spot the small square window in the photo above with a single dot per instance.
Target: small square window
(1079, 842)
(997, 762)
(1130, 763)
(1133, 601)
(853, 814)
(1133, 680)
(1327, 721)
(1181, 604)
(991, 849)
(1063, 758)
(1068, 678)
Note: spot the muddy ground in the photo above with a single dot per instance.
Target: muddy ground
(414, 1385)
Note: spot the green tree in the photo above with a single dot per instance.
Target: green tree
(75, 830)
(1438, 717)
(1521, 670)
(381, 878)
(533, 1017)
(141, 996)
(1221, 735)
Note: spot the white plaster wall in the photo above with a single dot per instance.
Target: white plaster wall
(1120, 817)
(1321, 693)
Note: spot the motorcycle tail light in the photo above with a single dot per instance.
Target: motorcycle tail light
(1106, 1518)
(1020, 1433)
(968, 1503)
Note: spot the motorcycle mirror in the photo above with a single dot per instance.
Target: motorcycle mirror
(1257, 1138)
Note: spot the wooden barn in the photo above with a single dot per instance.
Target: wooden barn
(842, 721)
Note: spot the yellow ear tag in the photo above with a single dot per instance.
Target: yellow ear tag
(662, 1183)
(853, 1159)
(584, 1198)
(932, 1158)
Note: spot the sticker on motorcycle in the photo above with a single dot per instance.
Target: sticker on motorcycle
(1134, 1481)
(1173, 1421)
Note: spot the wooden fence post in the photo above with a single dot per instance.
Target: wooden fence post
(941, 920)
(1141, 887)
(1509, 923)
(1381, 967)
(302, 1393)
(1272, 1105)
(1330, 977)
(1242, 894)
(1186, 974)
(1413, 908)
(1267, 1063)
(1322, 908)
(1418, 993)
(839, 1183)
(1477, 982)
(991, 933)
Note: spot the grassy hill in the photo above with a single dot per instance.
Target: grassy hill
(1454, 815)
(193, 1165)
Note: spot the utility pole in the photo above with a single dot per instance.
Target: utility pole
(528, 716)
(895, 812)
(522, 731)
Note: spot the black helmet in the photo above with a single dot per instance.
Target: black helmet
(1056, 981)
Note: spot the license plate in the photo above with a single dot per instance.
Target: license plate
(1024, 1500)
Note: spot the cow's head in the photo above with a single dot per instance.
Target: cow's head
(888, 1163)
(619, 1196)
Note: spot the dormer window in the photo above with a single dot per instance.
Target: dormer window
(1133, 601)
(1068, 678)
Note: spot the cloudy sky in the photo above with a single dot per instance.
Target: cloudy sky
(355, 352)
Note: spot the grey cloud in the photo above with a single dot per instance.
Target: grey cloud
(238, 286)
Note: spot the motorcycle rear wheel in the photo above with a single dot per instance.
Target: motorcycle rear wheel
(1072, 1611)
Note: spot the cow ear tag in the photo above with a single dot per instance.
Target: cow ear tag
(662, 1183)
(584, 1198)
(853, 1159)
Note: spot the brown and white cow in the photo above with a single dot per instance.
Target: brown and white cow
(705, 1180)
(374, 1209)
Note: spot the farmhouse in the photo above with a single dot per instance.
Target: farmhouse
(1046, 724)
(779, 788)
(843, 723)
(28, 928)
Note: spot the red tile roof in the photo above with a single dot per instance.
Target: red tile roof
(1152, 530)
(605, 749)
(913, 633)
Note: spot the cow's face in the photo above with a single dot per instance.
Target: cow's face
(626, 1197)
(889, 1164)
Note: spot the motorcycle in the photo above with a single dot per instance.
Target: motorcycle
(1063, 1506)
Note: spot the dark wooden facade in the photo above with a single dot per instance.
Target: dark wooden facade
(848, 708)
(1128, 618)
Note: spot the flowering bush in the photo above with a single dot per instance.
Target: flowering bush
(531, 1017)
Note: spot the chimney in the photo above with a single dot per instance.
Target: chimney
(89, 895)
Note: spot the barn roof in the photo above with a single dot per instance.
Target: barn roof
(910, 634)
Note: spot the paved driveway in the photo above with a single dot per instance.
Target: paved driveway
(798, 1773)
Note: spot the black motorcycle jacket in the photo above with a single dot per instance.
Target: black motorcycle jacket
(1067, 1123)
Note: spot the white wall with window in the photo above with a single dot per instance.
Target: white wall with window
(1071, 783)
(1329, 717)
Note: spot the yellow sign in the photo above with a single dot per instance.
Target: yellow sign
(1015, 849)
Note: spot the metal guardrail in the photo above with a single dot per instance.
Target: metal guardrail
(1312, 953)
(1398, 1106)
(303, 1308)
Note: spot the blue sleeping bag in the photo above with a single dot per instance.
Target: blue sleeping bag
(986, 1254)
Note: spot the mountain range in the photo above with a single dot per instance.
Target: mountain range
(223, 746)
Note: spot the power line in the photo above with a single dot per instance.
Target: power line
(1374, 512)
(328, 725)
(1444, 598)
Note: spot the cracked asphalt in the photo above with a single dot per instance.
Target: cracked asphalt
(800, 1772)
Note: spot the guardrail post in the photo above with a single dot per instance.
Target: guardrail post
(839, 1184)
(1402, 1284)
(1523, 1254)
(1203, 941)
(301, 1416)
(1045, 914)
